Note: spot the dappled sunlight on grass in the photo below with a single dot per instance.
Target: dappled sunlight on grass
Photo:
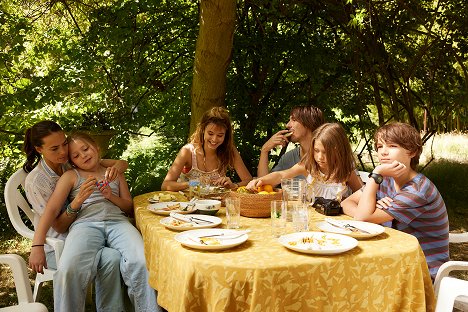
(450, 146)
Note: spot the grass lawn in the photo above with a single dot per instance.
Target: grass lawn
(448, 172)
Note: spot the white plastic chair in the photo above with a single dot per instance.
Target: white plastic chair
(23, 289)
(14, 202)
(364, 175)
(451, 292)
(450, 289)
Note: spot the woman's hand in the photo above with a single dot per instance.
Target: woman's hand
(111, 173)
(37, 259)
(225, 181)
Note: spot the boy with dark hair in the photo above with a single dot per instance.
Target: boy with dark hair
(397, 193)
(303, 120)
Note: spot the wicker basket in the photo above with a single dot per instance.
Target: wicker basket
(256, 205)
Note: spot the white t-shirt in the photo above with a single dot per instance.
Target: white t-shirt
(39, 185)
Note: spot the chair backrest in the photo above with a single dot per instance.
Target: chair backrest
(22, 285)
(450, 289)
(15, 201)
(364, 175)
(458, 237)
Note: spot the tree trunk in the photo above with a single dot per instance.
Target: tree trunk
(212, 56)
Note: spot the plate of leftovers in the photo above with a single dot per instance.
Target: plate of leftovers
(164, 209)
(318, 242)
(162, 197)
(212, 239)
(180, 222)
(356, 229)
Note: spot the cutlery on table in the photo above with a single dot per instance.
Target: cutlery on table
(345, 226)
(183, 218)
(227, 235)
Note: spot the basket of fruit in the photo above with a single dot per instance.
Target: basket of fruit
(256, 204)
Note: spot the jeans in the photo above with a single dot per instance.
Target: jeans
(108, 288)
(78, 265)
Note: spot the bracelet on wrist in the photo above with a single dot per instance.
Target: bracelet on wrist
(38, 245)
(72, 212)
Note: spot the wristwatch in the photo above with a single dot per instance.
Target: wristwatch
(377, 177)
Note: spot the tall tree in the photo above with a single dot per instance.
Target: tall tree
(212, 56)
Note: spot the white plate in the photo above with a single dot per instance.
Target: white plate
(321, 243)
(192, 239)
(159, 208)
(167, 222)
(372, 228)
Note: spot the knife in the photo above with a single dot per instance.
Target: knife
(183, 218)
(345, 226)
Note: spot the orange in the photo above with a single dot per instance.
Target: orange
(260, 188)
(268, 188)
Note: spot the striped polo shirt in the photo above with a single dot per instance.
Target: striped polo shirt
(418, 209)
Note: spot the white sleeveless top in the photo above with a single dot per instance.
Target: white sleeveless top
(196, 173)
(327, 189)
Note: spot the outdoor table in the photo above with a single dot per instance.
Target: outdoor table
(384, 273)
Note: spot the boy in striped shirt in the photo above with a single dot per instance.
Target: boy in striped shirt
(397, 193)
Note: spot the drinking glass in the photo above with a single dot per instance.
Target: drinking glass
(300, 217)
(194, 187)
(278, 217)
(233, 212)
(294, 190)
(205, 186)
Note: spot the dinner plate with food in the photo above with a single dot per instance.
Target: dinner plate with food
(162, 197)
(164, 209)
(356, 229)
(180, 222)
(212, 239)
(318, 242)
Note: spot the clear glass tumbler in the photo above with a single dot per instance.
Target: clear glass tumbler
(233, 212)
(278, 217)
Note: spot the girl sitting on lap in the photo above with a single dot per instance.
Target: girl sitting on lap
(99, 208)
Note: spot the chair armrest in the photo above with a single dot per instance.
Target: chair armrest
(445, 270)
(57, 244)
(20, 275)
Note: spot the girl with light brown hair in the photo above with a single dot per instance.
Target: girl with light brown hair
(210, 153)
(328, 165)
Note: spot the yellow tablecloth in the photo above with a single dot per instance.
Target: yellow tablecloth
(385, 273)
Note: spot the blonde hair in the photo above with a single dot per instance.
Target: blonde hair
(340, 158)
(78, 135)
(226, 151)
(404, 135)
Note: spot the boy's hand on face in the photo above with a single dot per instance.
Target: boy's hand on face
(277, 139)
(385, 202)
(393, 169)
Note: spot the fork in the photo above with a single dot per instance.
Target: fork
(227, 235)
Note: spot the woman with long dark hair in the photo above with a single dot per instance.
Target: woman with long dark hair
(46, 148)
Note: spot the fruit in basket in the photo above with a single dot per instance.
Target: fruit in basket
(243, 189)
(262, 190)
(268, 188)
